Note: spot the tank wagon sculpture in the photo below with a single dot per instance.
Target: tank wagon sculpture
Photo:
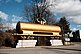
(24, 28)
(28, 31)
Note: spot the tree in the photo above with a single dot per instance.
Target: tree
(39, 9)
(7, 39)
(11, 31)
(64, 25)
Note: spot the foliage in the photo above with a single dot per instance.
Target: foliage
(6, 39)
(11, 31)
(64, 25)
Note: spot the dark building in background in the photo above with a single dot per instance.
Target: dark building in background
(76, 36)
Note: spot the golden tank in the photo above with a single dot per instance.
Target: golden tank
(30, 28)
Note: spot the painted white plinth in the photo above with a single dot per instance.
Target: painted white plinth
(26, 43)
(56, 42)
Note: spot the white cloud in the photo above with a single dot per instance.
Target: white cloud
(9, 18)
(16, 18)
(79, 26)
(3, 15)
(18, 1)
(69, 8)
(74, 29)
(14, 25)
(75, 19)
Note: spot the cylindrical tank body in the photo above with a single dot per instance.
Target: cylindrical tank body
(36, 27)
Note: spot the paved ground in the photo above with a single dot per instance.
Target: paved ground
(73, 49)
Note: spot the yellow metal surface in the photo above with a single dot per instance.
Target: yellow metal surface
(39, 27)
(28, 29)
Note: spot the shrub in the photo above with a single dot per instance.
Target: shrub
(6, 39)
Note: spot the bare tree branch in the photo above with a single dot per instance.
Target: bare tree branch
(38, 9)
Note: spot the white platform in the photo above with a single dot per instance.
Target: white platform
(56, 42)
(26, 43)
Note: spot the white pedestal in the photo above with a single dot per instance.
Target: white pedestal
(26, 43)
(56, 42)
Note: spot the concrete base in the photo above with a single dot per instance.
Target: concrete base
(26, 43)
(56, 42)
(67, 43)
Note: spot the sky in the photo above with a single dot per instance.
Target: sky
(12, 11)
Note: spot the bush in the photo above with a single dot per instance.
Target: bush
(6, 39)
